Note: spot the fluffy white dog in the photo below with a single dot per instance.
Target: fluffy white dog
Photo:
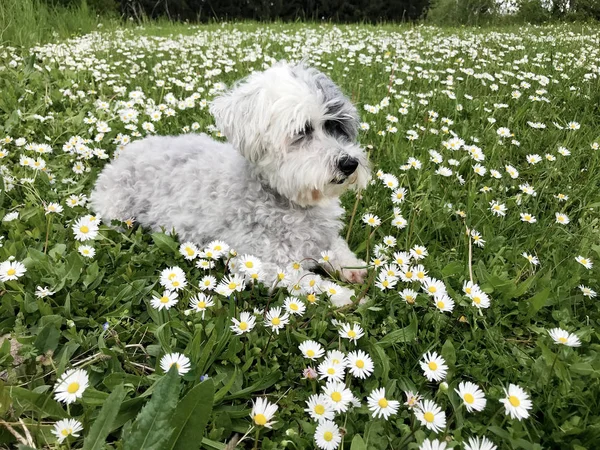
(272, 191)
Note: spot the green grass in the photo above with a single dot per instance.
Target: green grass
(100, 319)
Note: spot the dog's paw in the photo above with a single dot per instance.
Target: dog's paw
(354, 275)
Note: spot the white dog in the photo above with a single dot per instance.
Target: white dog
(272, 191)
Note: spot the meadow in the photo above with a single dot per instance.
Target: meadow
(478, 325)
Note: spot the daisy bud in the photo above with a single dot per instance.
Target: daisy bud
(443, 386)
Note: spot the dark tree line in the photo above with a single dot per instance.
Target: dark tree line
(286, 10)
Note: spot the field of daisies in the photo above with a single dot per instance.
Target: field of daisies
(478, 326)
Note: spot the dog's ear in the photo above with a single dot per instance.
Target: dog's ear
(241, 114)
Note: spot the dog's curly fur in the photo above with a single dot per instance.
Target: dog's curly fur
(272, 191)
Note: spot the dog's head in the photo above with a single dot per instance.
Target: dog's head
(299, 131)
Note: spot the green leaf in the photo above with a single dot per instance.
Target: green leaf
(42, 403)
(448, 352)
(74, 266)
(406, 334)
(358, 443)
(582, 368)
(538, 301)
(47, 339)
(191, 416)
(166, 243)
(101, 427)
(152, 428)
(208, 443)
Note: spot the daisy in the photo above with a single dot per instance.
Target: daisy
(66, 427)
(443, 303)
(85, 229)
(330, 370)
(380, 406)
(181, 363)
(532, 259)
(434, 367)
(480, 444)
(172, 276)
(371, 220)
(402, 258)
(207, 283)
(433, 444)
(563, 337)
(418, 252)
(86, 250)
(294, 306)
(472, 396)
(337, 357)
(70, 386)
(384, 281)
(41, 292)
(311, 349)
(326, 257)
(275, 320)
(526, 217)
(200, 302)
(434, 287)
(244, 325)
(389, 241)
(205, 264)
(409, 296)
(338, 395)
(585, 262)
(497, 208)
(360, 364)
(479, 298)
(11, 270)
(166, 301)
(430, 415)
(412, 399)
(587, 292)
(263, 412)
(517, 402)
(188, 250)
(327, 435)
(249, 264)
(353, 332)
(53, 208)
(563, 219)
(318, 407)
(231, 284)
(399, 195)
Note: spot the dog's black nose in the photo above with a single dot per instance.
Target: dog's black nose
(347, 165)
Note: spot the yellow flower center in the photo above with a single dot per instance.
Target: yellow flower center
(189, 251)
(319, 409)
(249, 264)
(243, 326)
(218, 248)
(172, 276)
(360, 363)
(175, 283)
(332, 291)
(310, 353)
(11, 272)
(432, 289)
(336, 396)
(296, 266)
(468, 290)
(410, 299)
(432, 365)
(477, 300)
(66, 431)
(206, 282)
(164, 299)
(311, 298)
(328, 436)
(428, 416)
(562, 340)
(441, 305)
(514, 401)
(352, 333)
(294, 306)
(331, 371)
(84, 229)
(232, 285)
(275, 321)
(73, 387)
(201, 304)
(409, 274)
(382, 403)
(385, 283)
(260, 419)
(469, 398)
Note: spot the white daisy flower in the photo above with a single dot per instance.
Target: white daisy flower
(433, 444)
(244, 325)
(480, 444)
(331, 370)
(207, 283)
(563, 337)
(318, 407)
(412, 399)
(352, 332)
(11, 270)
(563, 219)
(65, 428)
(70, 386)
(587, 292)
(188, 250)
(430, 415)
(434, 367)
(327, 435)
(275, 320)
(294, 306)
(380, 406)
(85, 229)
(360, 364)
(585, 262)
(338, 395)
(371, 220)
(181, 363)
(86, 250)
(517, 402)
(200, 302)
(479, 298)
(443, 303)
(53, 208)
(166, 301)
(472, 396)
(249, 264)
(409, 296)
(418, 252)
(263, 412)
(433, 287)
(311, 349)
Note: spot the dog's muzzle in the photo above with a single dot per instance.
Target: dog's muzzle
(347, 165)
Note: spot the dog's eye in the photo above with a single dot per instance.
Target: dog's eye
(307, 130)
(334, 128)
